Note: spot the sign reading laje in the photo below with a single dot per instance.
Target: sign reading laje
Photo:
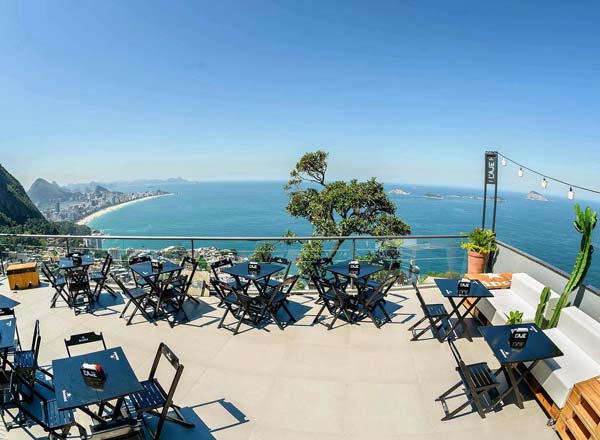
(491, 167)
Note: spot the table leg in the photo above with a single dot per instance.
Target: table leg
(509, 369)
(455, 312)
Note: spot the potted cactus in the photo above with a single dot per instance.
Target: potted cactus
(481, 243)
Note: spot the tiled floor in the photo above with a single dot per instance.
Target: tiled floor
(353, 382)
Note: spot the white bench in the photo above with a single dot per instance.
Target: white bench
(578, 337)
(523, 295)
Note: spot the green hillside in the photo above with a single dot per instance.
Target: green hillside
(15, 206)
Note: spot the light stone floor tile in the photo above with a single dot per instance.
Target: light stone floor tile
(353, 382)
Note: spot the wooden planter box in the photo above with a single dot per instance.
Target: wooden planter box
(580, 418)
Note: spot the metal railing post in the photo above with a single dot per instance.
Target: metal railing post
(68, 248)
(192, 241)
(354, 249)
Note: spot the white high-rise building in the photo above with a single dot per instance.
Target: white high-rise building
(115, 253)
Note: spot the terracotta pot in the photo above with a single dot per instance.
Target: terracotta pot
(477, 262)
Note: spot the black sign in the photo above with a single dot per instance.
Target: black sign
(354, 267)
(157, 266)
(92, 372)
(464, 287)
(253, 267)
(491, 167)
(518, 337)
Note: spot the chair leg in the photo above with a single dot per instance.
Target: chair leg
(274, 317)
(455, 386)
(288, 312)
(237, 327)
(414, 326)
(319, 314)
(335, 317)
(223, 318)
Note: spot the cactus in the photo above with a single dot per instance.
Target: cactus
(540, 321)
(585, 222)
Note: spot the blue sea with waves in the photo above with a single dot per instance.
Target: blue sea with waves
(243, 209)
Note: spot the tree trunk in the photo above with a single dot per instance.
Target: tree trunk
(335, 249)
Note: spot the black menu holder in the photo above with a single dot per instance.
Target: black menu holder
(354, 267)
(77, 259)
(253, 267)
(93, 375)
(157, 266)
(518, 337)
(464, 287)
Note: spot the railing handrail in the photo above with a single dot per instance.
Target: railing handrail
(185, 238)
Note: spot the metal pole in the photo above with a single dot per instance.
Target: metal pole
(68, 248)
(484, 191)
(192, 241)
(353, 249)
(495, 205)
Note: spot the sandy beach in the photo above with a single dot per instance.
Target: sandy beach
(101, 212)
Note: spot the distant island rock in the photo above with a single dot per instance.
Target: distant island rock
(533, 195)
(458, 196)
(398, 192)
(434, 196)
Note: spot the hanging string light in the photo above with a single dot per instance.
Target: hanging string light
(546, 178)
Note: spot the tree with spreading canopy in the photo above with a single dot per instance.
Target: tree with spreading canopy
(338, 208)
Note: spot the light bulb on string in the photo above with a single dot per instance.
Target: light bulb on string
(571, 194)
(520, 172)
(504, 161)
(544, 183)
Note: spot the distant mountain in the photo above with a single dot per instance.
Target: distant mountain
(42, 192)
(533, 195)
(100, 189)
(89, 187)
(16, 207)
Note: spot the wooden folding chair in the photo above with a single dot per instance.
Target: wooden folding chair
(155, 400)
(58, 284)
(276, 299)
(138, 297)
(478, 380)
(436, 314)
(100, 278)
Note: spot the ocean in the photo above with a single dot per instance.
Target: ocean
(229, 209)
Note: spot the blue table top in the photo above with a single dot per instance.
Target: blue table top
(7, 303)
(67, 262)
(145, 269)
(72, 391)
(7, 332)
(449, 289)
(342, 269)
(241, 270)
(539, 346)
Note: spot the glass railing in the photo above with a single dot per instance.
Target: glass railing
(434, 255)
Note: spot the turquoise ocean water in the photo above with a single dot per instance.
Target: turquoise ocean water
(543, 229)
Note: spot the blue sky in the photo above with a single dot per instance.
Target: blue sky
(407, 91)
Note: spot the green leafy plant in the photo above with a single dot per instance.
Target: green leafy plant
(263, 252)
(339, 208)
(514, 317)
(585, 222)
(540, 321)
(481, 240)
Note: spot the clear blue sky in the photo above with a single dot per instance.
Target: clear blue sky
(407, 91)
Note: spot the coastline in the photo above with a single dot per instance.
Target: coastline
(94, 215)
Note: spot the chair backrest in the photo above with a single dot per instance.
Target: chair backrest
(285, 287)
(383, 288)
(284, 262)
(192, 265)
(48, 273)
(106, 265)
(319, 265)
(420, 297)
(78, 281)
(164, 352)
(141, 259)
(84, 338)
(222, 288)
(226, 262)
(122, 286)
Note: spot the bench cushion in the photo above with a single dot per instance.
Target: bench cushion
(503, 302)
(558, 375)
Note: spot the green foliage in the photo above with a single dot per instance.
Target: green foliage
(340, 208)
(585, 222)
(448, 274)
(514, 317)
(540, 321)
(263, 252)
(481, 240)
(311, 251)
(15, 206)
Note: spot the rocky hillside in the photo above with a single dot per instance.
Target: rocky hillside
(15, 206)
(42, 192)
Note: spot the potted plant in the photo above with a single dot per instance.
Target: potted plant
(479, 246)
